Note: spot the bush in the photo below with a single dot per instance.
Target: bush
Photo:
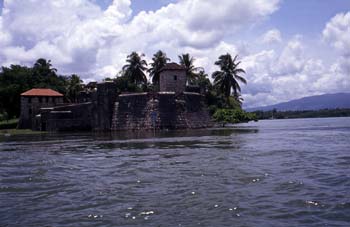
(4, 116)
(233, 116)
(8, 124)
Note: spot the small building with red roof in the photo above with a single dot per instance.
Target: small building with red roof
(35, 99)
(41, 92)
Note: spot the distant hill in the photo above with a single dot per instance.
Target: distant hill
(317, 102)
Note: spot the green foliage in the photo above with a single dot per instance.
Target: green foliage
(225, 116)
(216, 100)
(302, 114)
(17, 79)
(159, 60)
(202, 80)
(227, 78)
(124, 84)
(3, 117)
(134, 69)
(12, 131)
(13, 81)
(191, 71)
(8, 124)
(74, 87)
(107, 79)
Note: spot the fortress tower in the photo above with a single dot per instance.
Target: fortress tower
(172, 78)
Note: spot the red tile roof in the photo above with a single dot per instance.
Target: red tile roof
(41, 92)
(172, 66)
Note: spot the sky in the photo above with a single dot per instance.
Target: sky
(288, 48)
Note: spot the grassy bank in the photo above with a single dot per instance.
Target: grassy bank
(11, 132)
(9, 124)
(302, 114)
(233, 116)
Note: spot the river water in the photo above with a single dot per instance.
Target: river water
(266, 173)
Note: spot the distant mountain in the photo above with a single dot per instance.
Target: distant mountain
(317, 102)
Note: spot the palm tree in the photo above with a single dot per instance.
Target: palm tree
(74, 87)
(239, 99)
(44, 76)
(203, 82)
(134, 69)
(44, 67)
(227, 78)
(191, 71)
(159, 61)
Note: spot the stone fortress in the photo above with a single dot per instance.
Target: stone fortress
(104, 110)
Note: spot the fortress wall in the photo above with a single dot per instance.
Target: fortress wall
(132, 112)
(129, 112)
(163, 110)
(75, 117)
(194, 112)
(194, 102)
(166, 111)
(103, 102)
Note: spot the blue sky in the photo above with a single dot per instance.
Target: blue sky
(289, 48)
(307, 17)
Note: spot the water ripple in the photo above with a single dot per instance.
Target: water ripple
(261, 174)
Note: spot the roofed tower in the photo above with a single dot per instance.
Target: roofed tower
(172, 78)
(34, 99)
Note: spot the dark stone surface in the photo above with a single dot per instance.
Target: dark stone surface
(77, 117)
(31, 106)
(103, 106)
(164, 110)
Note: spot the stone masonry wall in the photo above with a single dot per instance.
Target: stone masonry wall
(103, 102)
(173, 81)
(31, 105)
(76, 117)
(163, 110)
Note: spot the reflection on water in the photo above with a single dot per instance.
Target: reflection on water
(267, 173)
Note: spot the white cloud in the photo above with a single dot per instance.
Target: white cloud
(292, 58)
(36, 20)
(82, 38)
(5, 37)
(272, 36)
(79, 37)
(213, 15)
(337, 33)
(277, 77)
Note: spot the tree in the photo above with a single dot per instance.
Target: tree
(227, 78)
(159, 61)
(203, 82)
(238, 99)
(107, 79)
(74, 87)
(42, 70)
(45, 76)
(17, 79)
(44, 65)
(233, 116)
(134, 69)
(191, 71)
(13, 81)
